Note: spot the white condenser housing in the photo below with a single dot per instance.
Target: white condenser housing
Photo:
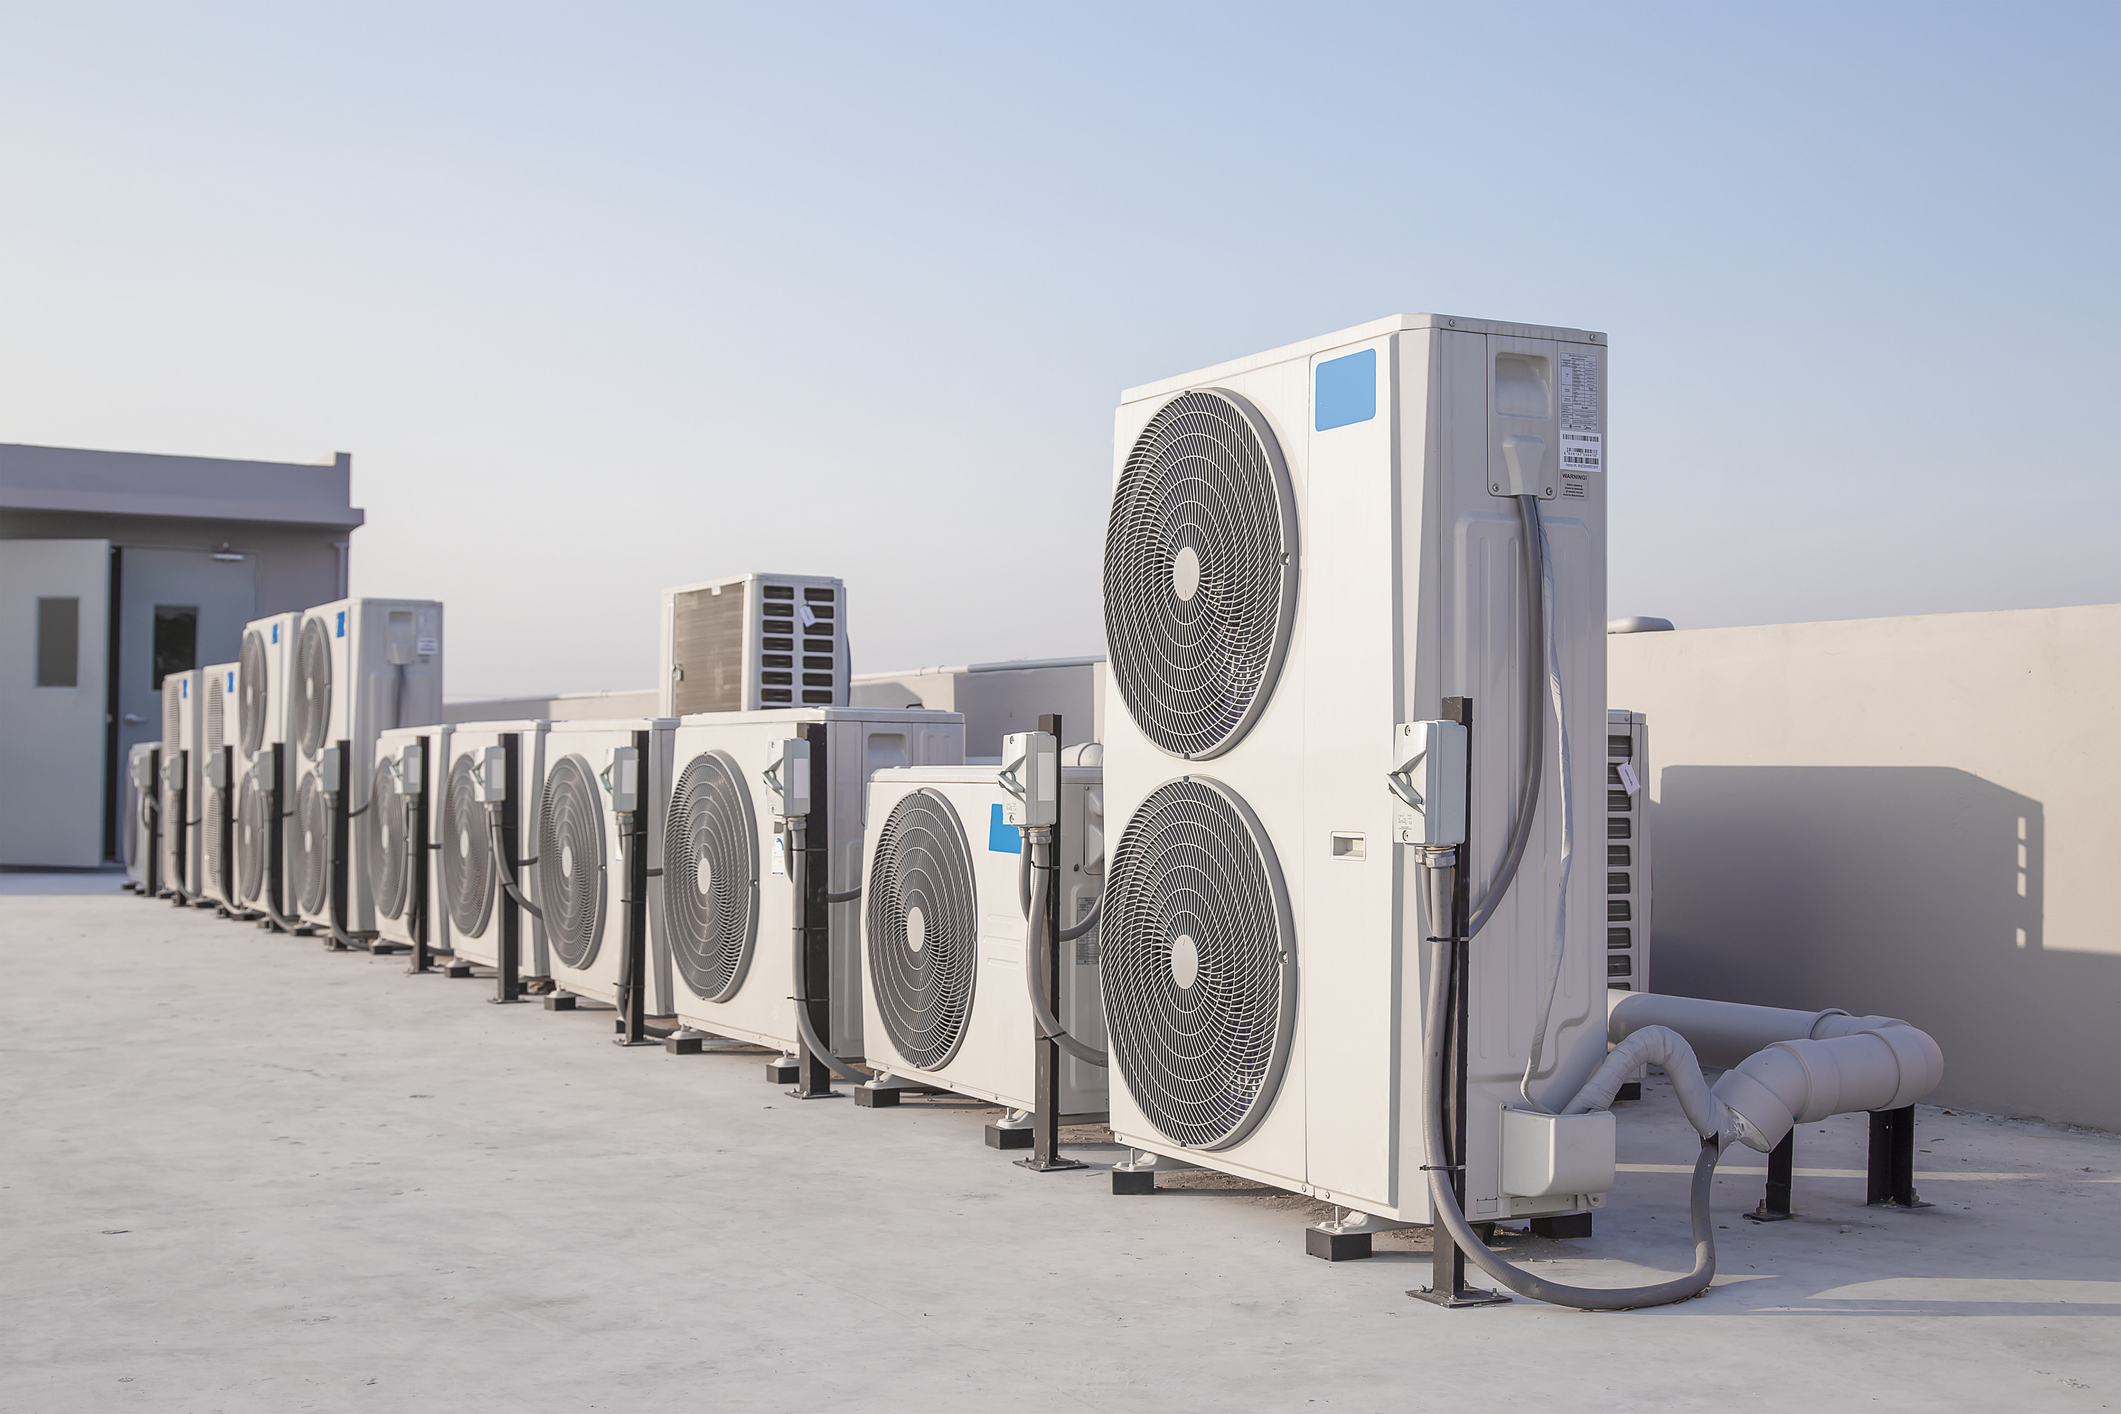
(264, 694)
(597, 811)
(494, 768)
(1307, 548)
(401, 827)
(181, 736)
(218, 777)
(754, 641)
(362, 666)
(138, 825)
(723, 899)
(943, 936)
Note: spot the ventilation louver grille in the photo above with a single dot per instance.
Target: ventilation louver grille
(389, 848)
(711, 877)
(313, 687)
(923, 929)
(1200, 964)
(312, 848)
(467, 852)
(1200, 573)
(253, 807)
(250, 693)
(571, 862)
(172, 716)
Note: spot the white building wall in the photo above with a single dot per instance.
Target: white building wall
(1917, 816)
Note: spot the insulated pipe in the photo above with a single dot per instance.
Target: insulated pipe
(1724, 1033)
(1535, 748)
(501, 862)
(1034, 961)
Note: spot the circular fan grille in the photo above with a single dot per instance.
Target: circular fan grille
(253, 806)
(711, 877)
(250, 693)
(571, 862)
(923, 929)
(1200, 964)
(1200, 573)
(312, 687)
(312, 847)
(467, 852)
(389, 872)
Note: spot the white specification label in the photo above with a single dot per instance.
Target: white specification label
(1582, 439)
(1582, 451)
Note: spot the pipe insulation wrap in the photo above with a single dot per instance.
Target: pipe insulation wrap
(1725, 1033)
(1798, 1082)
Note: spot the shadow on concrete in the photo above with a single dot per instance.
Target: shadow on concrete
(1910, 891)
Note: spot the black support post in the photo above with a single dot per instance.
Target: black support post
(416, 850)
(633, 899)
(226, 827)
(508, 977)
(341, 835)
(1042, 950)
(180, 835)
(151, 886)
(1892, 1167)
(813, 1078)
(1781, 1172)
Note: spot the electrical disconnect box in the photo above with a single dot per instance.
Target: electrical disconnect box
(622, 778)
(1428, 781)
(1031, 779)
(1627, 851)
(788, 777)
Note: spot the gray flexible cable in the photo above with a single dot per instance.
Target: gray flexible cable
(1097, 910)
(1535, 747)
(1035, 974)
(1524, 1283)
(797, 831)
(500, 863)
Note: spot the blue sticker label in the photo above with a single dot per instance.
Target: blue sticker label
(1346, 391)
(1001, 838)
(276, 633)
(184, 690)
(342, 623)
(231, 681)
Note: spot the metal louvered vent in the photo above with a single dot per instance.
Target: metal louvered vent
(312, 847)
(251, 809)
(216, 715)
(467, 852)
(1200, 964)
(571, 862)
(172, 715)
(312, 687)
(250, 692)
(389, 848)
(711, 876)
(923, 929)
(211, 861)
(1200, 573)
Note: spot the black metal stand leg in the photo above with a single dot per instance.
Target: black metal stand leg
(1781, 1170)
(1045, 1116)
(1892, 1166)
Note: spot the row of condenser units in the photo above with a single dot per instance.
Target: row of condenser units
(1314, 556)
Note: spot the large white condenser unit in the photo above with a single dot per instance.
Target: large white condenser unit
(362, 666)
(944, 936)
(597, 810)
(217, 777)
(754, 641)
(264, 692)
(1312, 554)
(723, 897)
(181, 724)
(491, 790)
(401, 826)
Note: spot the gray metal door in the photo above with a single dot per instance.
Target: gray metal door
(188, 605)
(54, 700)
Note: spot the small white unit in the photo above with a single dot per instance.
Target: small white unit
(403, 865)
(217, 777)
(723, 900)
(181, 723)
(264, 683)
(137, 830)
(944, 936)
(362, 666)
(1308, 551)
(495, 776)
(596, 814)
(1627, 850)
(753, 642)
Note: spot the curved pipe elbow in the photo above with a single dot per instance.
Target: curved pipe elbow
(1798, 1082)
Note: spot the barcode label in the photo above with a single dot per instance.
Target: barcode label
(1582, 451)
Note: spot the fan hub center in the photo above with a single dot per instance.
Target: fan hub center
(1185, 573)
(703, 874)
(916, 928)
(1185, 961)
(567, 860)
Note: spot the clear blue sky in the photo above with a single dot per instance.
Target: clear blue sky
(608, 297)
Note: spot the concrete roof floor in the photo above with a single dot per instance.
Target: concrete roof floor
(243, 1174)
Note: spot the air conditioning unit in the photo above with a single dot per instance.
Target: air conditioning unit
(597, 811)
(1627, 849)
(180, 749)
(723, 899)
(493, 768)
(1309, 552)
(753, 642)
(217, 778)
(362, 666)
(945, 999)
(402, 836)
(264, 723)
(139, 835)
